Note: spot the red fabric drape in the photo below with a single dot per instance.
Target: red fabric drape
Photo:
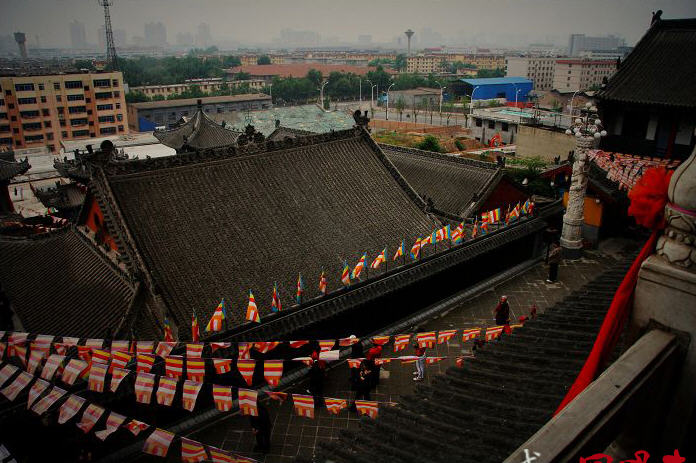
(611, 326)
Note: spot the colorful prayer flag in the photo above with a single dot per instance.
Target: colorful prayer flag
(445, 335)
(51, 365)
(525, 207)
(433, 360)
(42, 405)
(145, 362)
(113, 422)
(144, 347)
(190, 394)
(36, 390)
(195, 369)
(380, 340)
(484, 228)
(322, 283)
(90, 417)
(247, 401)
(144, 383)
(135, 426)
(401, 250)
(73, 370)
(215, 322)
(119, 360)
(470, 334)
(444, 233)
(166, 391)
(168, 335)
(116, 377)
(265, 346)
(243, 349)
(222, 396)
(474, 231)
(297, 344)
(164, 349)
(493, 332)
(192, 451)
(379, 260)
(195, 331)
(6, 373)
(221, 456)
(357, 270)
(275, 302)
(355, 363)
(174, 366)
(252, 314)
(416, 248)
(426, 339)
(35, 358)
(246, 369)
(401, 341)
(17, 386)
(326, 345)
(97, 374)
(300, 289)
(367, 408)
(345, 275)
(279, 396)
(120, 346)
(194, 351)
(334, 406)
(158, 443)
(214, 346)
(101, 356)
(273, 371)
(304, 405)
(222, 366)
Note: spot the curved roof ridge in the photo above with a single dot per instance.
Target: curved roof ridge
(441, 156)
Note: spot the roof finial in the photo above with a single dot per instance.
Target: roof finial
(199, 103)
(656, 16)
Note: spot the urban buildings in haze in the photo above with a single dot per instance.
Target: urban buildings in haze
(582, 42)
(78, 37)
(155, 34)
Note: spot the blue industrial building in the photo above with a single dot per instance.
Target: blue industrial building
(496, 87)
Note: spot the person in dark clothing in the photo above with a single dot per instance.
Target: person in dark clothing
(554, 259)
(356, 350)
(363, 384)
(372, 355)
(502, 312)
(262, 429)
(316, 380)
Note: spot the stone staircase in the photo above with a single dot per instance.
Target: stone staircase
(485, 410)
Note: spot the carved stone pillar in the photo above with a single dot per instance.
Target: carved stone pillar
(571, 236)
(666, 297)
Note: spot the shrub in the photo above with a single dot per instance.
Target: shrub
(430, 143)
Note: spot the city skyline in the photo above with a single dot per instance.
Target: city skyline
(496, 23)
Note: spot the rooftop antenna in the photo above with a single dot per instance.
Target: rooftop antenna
(110, 47)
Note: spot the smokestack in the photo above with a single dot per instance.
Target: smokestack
(409, 33)
(21, 40)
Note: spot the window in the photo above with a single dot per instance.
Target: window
(15, 130)
(491, 124)
(73, 84)
(117, 94)
(88, 100)
(81, 121)
(77, 109)
(28, 114)
(86, 87)
(107, 130)
(64, 134)
(51, 147)
(47, 123)
(10, 105)
(8, 92)
(24, 87)
(120, 128)
(33, 138)
(5, 141)
(89, 112)
(49, 136)
(59, 98)
(103, 119)
(119, 117)
(4, 128)
(101, 83)
(479, 123)
(13, 118)
(44, 112)
(41, 87)
(43, 99)
(114, 83)
(56, 85)
(105, 107)
(2, 102)
(76, 97)
(80, 133)
(118, 105)
(18, 142)
(505, 127)
(62, 122)
(3, 115)
(31, 100)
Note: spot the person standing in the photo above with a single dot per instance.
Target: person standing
(502, 312)
(554, 259)
(363, 383)
(372, 355)
(316, 380)
(420, 362)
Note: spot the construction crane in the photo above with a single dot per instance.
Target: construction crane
(111, 61)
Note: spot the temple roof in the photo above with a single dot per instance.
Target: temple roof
(206, 225)
(485, 410)
(61, 283)
(62, 196)
(281, 133)
(10, 168)
(660, 69)
(199, 132)
(453, 183)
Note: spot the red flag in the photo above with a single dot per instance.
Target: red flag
(304, 405)
(297, 344)
(221, 456)
(144, 383)
(334, 406)
(144, 347)
(264, 347)
(97, 374)
(355, 363)
(195, 370)
(166, 391)
(192, 451)
(17, 385)
(326, 345)
(380, 340)
(445, 335)
(73, 370)
(158, 443)
(470, 334)
(194, 350)
(135, 426)
(244, 348)
(116, 377)
(164, 349)
(90, 417)
(190, 394)
(222, 396)
(401, 341)
(493, 332)
(426, 339)
(247, 402)
(367, 407)
(222, 366)
(174, 366)
(219, 345)
(145, 362)
(195, 331)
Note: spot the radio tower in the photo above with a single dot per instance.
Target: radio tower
(110, 47)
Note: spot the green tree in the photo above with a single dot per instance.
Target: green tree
(400, 106)
(136, 97)
(484, 73)
(314, 77)
(263, 59)
(242, 76)
(430, 143)
(400, 63)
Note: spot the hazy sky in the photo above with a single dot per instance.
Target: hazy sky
(259, 21)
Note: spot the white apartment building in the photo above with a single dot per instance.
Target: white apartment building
(571, 75)
(539, 69)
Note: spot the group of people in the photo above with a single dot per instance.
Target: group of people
(365, 378)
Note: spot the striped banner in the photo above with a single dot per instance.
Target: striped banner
(96, 343)
(190, 394)
(42, 406)
(367, 408)
(113, 422)
(492, 332)
(51, 365)
(6, 373)
(158, 443)
(144, 362)
(164, 349)
(194, 350)
(120, 346)
(116, 377)
(17, 386)
(97, 375)
(222, 366)
(144, 383)
(298, 344)
(433, 360)
(380, 340)
(101, 356)
(192, 451)
(90, 417)
(355, 363)
(279, 396)
(70, 408)
(304, 405)
(470, 334)
(326, 345)
(36, 390)
(401, 341)
(72, 371)
(222, 396)
(43, 343)
(195, 370)
(174, 366)
(334, 406)
(444, 336)
(35, 358)
(219, 345)
(221, 456)
(244, 349)
(273, 371)
(349, 341)
(144, 347)
(166, 391)
(247, 402)
(264, 347)
(426, 339)
(246, 369)
(119, 360)
(135, 426)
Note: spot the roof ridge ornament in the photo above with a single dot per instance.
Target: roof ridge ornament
(250, 135)
(361, 120)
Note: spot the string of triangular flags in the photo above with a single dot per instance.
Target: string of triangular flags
(44, 395)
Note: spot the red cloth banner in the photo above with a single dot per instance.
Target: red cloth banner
(42, 406)
(190, 394)
(279, 396)
(73, 370)
(101, 356)
(135, 426)
(194, 350)
(470, 334)
(144, 347)
(244, 349)
(119, 360)
(246, 369)
(426, 339)
(90, 417)
(222, 366)
(298, 344)
(446, 335)
(36, 390)
(273, 371)
(195, 370)
(97, 374)
(158, 443)
(219, 345)
(116, 377)
(144, 383)
(401, 341)
(334, 406)
(17, 386)
(380, 340)
(166, 391)
(174, 366)
(492, 332)
(192, 451)
(164, 349)
(355, 363)
(222, 396)
(247, 402)
(304, 405)
(367, 408)
(326, 345)
(145, 362)
(264, 347)
(113, 422)
(51, 365)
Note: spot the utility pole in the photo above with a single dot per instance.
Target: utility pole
(110, 47)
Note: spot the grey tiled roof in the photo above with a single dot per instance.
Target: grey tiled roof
(218, 223)
(60, 283)
(660, 69)
(9, 169)
(281, 133)
(199, 132)
(452, 182)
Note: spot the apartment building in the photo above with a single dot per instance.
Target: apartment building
(42, 110)
(539, 69)
(571, 75)
(205, 85)
(433, 63)
(248, 60)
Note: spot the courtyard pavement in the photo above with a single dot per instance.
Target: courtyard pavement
(295, 438)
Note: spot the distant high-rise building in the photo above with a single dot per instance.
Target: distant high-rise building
(203, 37)
(184, 39)
(78, 37)
(21, 40)
(120, 39)
(582, 42)
(155, 34)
